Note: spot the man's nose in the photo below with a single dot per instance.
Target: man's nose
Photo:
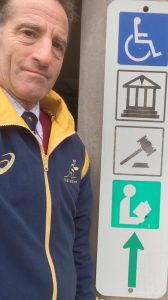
(43, 52)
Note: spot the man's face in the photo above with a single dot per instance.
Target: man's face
(32, 47)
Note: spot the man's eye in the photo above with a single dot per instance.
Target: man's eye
(29, 33)
(59, 47)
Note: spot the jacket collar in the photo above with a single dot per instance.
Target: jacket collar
(52, 104)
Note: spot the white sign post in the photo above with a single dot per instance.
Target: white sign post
(132, 259)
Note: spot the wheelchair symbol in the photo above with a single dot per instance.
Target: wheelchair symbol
(138, 38)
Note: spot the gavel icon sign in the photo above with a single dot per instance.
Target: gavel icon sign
(145, 145)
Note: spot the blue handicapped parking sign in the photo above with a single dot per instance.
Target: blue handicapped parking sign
(143, 39)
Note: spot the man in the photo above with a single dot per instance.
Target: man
(44, 171)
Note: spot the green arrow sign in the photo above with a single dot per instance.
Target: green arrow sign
(134, 244)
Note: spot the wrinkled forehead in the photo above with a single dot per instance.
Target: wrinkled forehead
(48, 9)
(43, 13)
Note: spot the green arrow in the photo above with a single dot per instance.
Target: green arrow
(134, 244)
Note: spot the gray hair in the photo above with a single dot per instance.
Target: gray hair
(68, 6)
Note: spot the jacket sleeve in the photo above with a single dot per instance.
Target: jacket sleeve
(83, 263)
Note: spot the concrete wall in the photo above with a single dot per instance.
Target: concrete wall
(90, 105)
(67, 84)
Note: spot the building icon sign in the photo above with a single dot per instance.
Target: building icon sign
(143, 104)
(141, 95)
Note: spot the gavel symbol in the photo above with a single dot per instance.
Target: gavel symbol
(145, 145)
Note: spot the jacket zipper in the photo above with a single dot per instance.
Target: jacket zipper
(45, 158)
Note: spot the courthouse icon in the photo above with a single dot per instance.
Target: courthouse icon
(141, 98)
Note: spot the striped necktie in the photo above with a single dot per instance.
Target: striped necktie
(31, 120)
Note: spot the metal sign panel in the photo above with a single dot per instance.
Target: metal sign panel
(132, 259)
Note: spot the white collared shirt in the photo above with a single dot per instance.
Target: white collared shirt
(36, 110)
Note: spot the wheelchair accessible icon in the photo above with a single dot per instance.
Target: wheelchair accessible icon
(141, 39)
(138, 38)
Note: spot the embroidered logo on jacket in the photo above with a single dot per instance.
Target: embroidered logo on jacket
(7, 163)
(71, 176)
